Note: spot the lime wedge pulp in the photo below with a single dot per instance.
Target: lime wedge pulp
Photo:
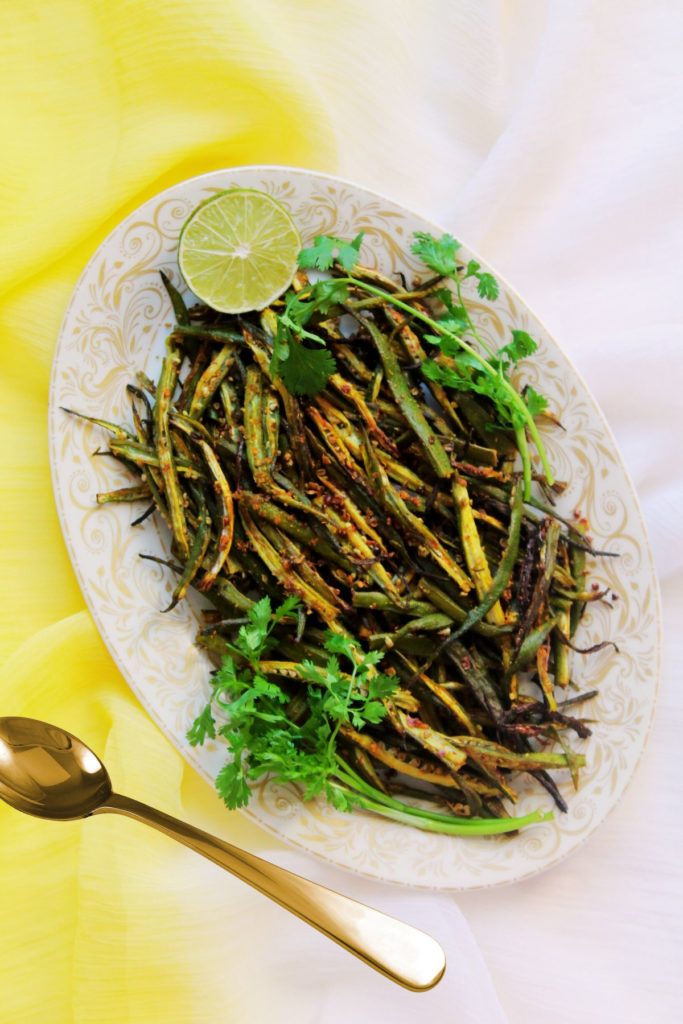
(238, 250)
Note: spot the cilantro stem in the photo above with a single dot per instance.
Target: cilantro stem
(533, 430)
(484, 344)
(514, 399)
(523, 447)
(333, 738)
(439, 822)
(431, 821)
(449, 826)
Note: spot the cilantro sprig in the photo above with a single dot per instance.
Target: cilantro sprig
(261, 734)
(439, 254)
(326, 250)
(305, 370)
(292, 737)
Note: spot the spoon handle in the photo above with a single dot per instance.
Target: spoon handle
(400, 952)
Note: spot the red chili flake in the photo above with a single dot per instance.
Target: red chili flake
(595, 586)
(416, 723)
(467, 663)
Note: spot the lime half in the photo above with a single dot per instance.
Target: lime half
(238, 250)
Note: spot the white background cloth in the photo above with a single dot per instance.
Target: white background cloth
(549, 136)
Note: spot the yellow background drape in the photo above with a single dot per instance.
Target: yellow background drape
(105, 104)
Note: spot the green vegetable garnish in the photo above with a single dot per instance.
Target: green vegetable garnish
(264, 737)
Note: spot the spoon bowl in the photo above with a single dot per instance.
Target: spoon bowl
(47, 772)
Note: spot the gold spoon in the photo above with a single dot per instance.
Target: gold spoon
(47, 772)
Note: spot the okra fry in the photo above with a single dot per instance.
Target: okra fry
(227, 517)
(142, 455)
(475, 557)
(390, 507)
(412, 523)
(144, 429)
(499, 756)
(414, 348)
(140, 492)
(399, 761)
(164, 396)
(445, 697)
(211, 379)
(530, 645)
(548, 555)
(113, 428)
(198, 550)
(500, 580)
(473, 671)
(376, 600)
(294, 557)
(177, 302)
(400, 388)
(271, 427)
(352, 394)
(446, 604)
(289, 580)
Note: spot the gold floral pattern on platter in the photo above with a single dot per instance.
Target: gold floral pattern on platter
(115, 325)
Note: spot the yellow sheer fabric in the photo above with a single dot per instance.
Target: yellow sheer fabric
(106, 104)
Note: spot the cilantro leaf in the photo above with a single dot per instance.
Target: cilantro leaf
(456, 318)
(320, 255)
(436, 253)
(289, 605)
(260, 614)
(202, 727)
(326, 249)
(521, 346)
(340, 799)
(381, 686)
(303, 370)
(232, 785)
(347, 252)
(535, 403)
(328, 293)
(462, 377)
(372, 658)
(373, 712)
(225, 678)
(306, 371)
(337, 643)
(251, 638)
(261, 736)
(487, 286)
